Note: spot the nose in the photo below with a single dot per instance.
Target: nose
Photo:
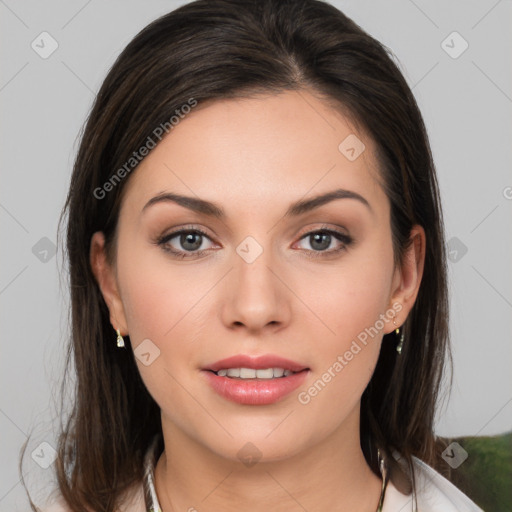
(255, 295)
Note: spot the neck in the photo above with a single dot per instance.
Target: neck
(330, 475)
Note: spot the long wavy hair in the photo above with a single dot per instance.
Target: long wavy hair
(218, 49)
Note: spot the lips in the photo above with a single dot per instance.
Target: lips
(255, 391)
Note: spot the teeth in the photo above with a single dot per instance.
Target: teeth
(247, 373)
(250, 373)
(278, 372)
(261, 374)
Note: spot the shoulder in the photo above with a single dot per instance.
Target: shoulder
(437, 492)
(434, 494)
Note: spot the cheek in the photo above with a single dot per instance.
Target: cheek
(163, 304)
(353, 306)
(349, 298)
(168, 304)
(159, 297)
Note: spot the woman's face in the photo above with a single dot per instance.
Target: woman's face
(262, 280)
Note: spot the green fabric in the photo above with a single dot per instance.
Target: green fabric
(486, 475)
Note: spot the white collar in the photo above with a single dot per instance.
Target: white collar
(148, 482)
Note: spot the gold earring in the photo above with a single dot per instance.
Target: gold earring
(401, 342)
(120, 340)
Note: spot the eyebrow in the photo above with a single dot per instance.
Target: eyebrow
(214, 210)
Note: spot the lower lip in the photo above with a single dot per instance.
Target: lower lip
(255, 392)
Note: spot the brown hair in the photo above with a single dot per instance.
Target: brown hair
(212, 49)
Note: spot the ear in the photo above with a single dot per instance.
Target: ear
(407, 278)
(106, 277)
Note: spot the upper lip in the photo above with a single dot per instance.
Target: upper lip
(256, 362)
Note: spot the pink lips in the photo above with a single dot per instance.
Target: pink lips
(255, 391)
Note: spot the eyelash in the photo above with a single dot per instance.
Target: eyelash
(342, 237)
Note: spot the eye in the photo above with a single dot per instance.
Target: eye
(189, 242)
(321, 239)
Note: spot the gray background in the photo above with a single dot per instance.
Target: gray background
(467, 105)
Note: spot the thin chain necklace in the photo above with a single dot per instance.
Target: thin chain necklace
(153, 505)
(384, 474)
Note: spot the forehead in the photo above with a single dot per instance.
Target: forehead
(254, 151)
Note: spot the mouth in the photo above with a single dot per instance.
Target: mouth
(261, 380)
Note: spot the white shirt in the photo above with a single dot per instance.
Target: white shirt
(434, 494)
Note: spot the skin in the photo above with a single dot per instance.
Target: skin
(254, 157)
